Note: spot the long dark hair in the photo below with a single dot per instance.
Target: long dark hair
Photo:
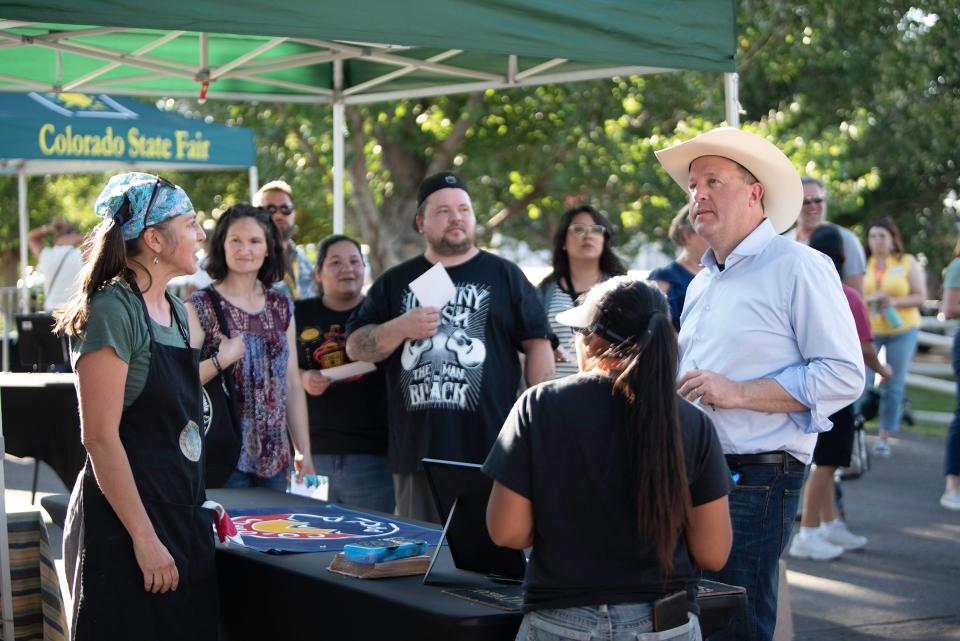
(609, 263)
(826, 239)
(272, 269)
(106, 257)
(646, 380)
(886, 223)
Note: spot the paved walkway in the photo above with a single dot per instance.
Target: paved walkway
(904, 585)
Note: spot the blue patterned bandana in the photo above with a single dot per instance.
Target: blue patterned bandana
(138, 200)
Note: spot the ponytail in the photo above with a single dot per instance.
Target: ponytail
(647, 382)
(105, 254)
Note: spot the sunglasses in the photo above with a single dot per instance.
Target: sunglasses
(815, 201)
(284, 210)
(581, 230)
(161, 182)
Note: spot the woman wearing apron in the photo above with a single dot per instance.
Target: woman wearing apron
(138, 546)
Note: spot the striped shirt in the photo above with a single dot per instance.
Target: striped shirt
(561, 301)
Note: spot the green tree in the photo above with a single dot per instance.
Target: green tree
(864, 95)
(873, 91)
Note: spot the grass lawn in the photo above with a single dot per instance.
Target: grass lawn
(923, 399)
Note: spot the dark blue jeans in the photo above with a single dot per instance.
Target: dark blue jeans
(238, 479)
(357, 480)
(951, 459)
(763, 507)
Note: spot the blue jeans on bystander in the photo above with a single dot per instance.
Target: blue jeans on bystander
(238, 479)
(763, 507)
(616, 622)
(951, 459)
(900, 349)
(357, 480)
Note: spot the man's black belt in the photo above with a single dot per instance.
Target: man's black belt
(780, 459)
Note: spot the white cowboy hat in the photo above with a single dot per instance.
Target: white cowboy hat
(782, 190)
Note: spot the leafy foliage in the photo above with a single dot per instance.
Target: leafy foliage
(862, 94)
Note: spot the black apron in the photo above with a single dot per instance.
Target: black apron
(162, 435)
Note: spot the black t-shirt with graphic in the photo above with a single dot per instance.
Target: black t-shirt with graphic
(563, 446)
(447, 395)
(350, 417)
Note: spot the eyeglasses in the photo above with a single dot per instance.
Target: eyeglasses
(814, 201)
(284, 210)
(580, 229)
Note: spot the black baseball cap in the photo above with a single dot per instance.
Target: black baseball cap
(436, 182)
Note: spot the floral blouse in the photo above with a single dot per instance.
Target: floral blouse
(261, 376)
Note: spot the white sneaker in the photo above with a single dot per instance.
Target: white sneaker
(881, 448)
(838, 534)
(813, 547)
(951, 500)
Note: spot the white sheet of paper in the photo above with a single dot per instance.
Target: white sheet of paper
(433, 288)
(341, 372)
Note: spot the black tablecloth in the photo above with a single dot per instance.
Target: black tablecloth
(294, 596)
(41, 420)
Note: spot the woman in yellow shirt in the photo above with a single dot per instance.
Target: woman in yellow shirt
(895, 287)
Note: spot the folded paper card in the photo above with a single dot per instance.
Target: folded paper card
(433, 288)
(349, 370)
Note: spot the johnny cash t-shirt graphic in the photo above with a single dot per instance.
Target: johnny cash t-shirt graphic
(447, 396)
(446, 369)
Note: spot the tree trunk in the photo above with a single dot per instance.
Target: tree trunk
(385, 229)
(388, 229)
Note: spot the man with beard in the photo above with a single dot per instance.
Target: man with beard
(814, 213)
(452, 373)
(277, 198)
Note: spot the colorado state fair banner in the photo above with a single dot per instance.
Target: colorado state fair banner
(74, 126)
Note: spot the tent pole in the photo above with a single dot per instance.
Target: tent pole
(254, 181)
(338, 166)
(24, 224)
(338, 134)
(731, 86)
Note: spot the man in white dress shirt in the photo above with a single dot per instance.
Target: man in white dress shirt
(767, 343)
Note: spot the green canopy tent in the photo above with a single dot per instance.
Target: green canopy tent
(45, 133)
(360, 51)
(348, 53)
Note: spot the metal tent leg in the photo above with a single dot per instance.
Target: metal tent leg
(36, 475)
(24, 226)
(731, 92)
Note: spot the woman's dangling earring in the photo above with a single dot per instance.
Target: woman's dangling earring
(156, 260)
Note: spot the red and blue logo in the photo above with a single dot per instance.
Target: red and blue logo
(320, 528)
(303, 525)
